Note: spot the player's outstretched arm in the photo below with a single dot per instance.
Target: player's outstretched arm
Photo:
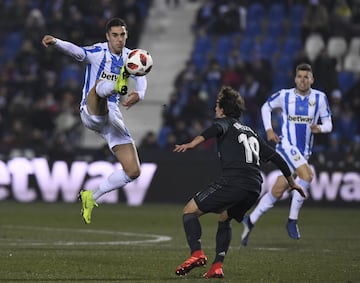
(66, 47)
(194, 143)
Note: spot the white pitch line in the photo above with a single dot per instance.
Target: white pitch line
(15, 242)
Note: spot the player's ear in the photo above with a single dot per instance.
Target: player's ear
(107, 36)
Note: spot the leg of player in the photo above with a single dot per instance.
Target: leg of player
(192, 227)
(265, 203)
(223, 239)
(127, 155)
(305, 176)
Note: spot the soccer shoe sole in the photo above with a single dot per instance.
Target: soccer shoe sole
(182, 271)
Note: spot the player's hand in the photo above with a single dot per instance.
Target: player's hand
(48, 40)
(315, 129)
(272, 136)
(131, 99)
(297, 188)
(182, 147)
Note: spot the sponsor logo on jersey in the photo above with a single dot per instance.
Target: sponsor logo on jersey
(108, 76)
(300, 119)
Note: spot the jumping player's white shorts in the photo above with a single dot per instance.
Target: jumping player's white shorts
(111, 127)
(292, 156)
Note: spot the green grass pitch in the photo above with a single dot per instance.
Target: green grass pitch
(49, 243)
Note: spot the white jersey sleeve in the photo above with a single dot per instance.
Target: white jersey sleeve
(70, 49)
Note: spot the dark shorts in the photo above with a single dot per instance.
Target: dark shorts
(230, 194)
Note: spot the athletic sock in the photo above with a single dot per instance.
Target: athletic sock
(297, 200)
(192, 229)
(265, 203)
(223, 239)
(115, 181)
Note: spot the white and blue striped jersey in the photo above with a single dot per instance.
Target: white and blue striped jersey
(101, 64)
(298, 114)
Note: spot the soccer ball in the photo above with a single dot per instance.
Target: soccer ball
(138, 62)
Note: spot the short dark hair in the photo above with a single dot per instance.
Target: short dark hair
(114, 22)
(231, 101)
(304, 67)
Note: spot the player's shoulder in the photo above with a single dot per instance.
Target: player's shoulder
(317, 92)
(281, 93)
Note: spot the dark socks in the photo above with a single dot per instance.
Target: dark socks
(223, 239)
(192, 229)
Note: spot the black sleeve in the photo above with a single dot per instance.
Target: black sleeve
(281, 164)
(213, 131)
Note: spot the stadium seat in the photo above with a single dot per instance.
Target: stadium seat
(256, 11)
(285, 62)
(200, 60)
(224, 44)
(296, 13)
(12, 45)
(314, 43)
(292, 45)
(275, 29)
(202, 44)
(246, 46)
(276, 12)
(352, 62)
(336, 48)
(71, 72)
(281, 80)
(354, 45)
(163, 134)
(268, 47)
(253, 28)
(346, 80)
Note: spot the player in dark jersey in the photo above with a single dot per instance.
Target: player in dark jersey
(240, 150)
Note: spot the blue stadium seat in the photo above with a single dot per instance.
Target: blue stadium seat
(253, 28)
(256, 11)
(200, 60)
(163, 134)
(285, 62)
(292, 45)
(269, 47)
(296, 13)
(71, 72)
(276, 12)
(246, 46)
(281, 80)
(202, 44)
(275, 29)
(346, 80)
(12, 45)
(224, 44)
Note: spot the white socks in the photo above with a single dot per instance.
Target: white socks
(265, 203)
(115, 181)
(297, 199)
(105, 88)
(268, 200)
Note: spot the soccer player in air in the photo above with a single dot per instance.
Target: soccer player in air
(301, 108)
(105, 80)
(240, 150)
